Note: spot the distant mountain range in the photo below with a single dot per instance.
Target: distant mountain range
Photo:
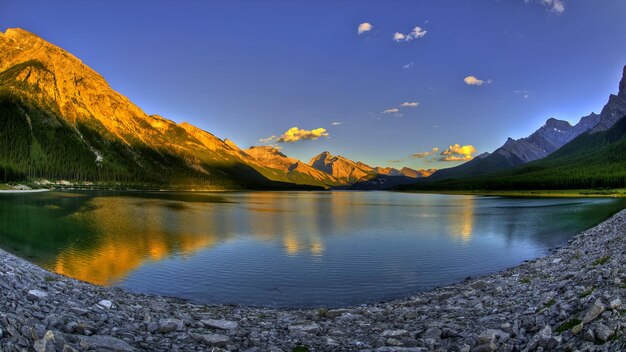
(59, 119)
(589, 154)
(547, 139)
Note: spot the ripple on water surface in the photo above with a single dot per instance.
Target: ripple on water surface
(286, 248)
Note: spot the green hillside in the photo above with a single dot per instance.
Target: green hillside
(37, 143)
(595, 160)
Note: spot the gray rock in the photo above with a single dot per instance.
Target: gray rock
(486, 347)
(169, 325)
(433, 333)
(105, 304)
(107, 343)
(220, 324)
(594, 311)
(615, 304)
(394, 333)
(589, 335)
(603, 332)
(310, 328)
(215, 340)
(490, 335)
(36, 295)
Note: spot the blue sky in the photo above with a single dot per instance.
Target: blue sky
(248, 70)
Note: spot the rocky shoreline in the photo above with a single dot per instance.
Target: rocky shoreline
(573, 299)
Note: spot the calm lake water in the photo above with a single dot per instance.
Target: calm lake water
(286, 248)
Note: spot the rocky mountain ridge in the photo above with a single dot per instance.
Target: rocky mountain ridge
(72, 125)
(553, 135)
(350, 172)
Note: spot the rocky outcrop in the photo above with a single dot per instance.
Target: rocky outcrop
(350, 172)
(614, 109)
(345, 170)
(570, 300)
(295, 170)
(416, 173)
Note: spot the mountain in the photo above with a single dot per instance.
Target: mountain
(595, 159)
(61, 120)
(349, 172)
(342, 169)
(614, 109)
(295, 170)
(408, 172)
(550, 137)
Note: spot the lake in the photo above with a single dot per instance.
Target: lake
(286, 249)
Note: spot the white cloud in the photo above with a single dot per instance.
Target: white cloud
(337, 123)
(398, 36)
(407, 66)
(473, 81)
(554, 6)
(416, 33)
(296, 134)
(364, 27)
(410, 104)
(391, 111)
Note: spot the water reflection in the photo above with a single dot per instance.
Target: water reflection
(462, 219)
(306, 248)
(129, 234)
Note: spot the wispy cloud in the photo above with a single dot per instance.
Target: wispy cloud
(457, 152)
(523, 93)
(337, 123)
(409, 104)
(422, 155)
(391, 111)
(364, 27)
(296, 134)
(416, 33)
(407, 66)
(554, 6)
(473, 81)
(268, 139)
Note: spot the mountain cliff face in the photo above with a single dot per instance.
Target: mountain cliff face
(344, 170)
(546, 140)
(61, 119)
(408, 172)
(295, 170)
(349, 172)
(614, 109)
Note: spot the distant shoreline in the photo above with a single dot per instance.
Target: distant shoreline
(24, 190)
(577, 193)
(573, 193)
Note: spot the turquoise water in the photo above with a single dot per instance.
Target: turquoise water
(289, 249)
